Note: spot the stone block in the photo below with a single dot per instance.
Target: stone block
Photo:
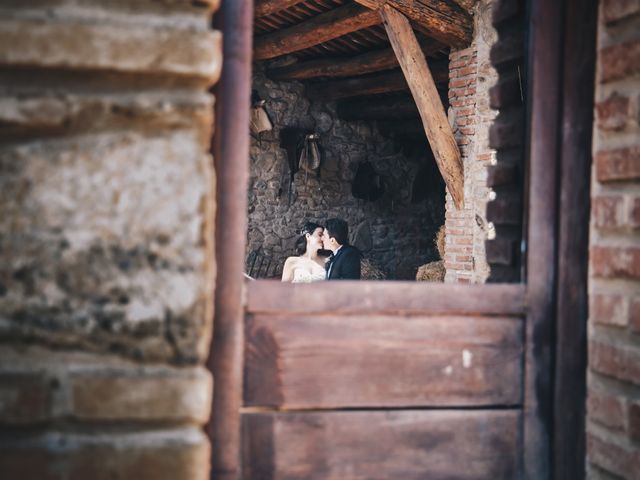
(105, 243)
(185, 53)
(143, 394)
(25, 397)
(144, 455)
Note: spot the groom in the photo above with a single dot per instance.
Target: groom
(344, 262)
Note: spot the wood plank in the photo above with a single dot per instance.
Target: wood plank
(369, 62)
(410, 298)
(321, 28)
(546, 45)
(332, 361)
(422, 85)
(262, 8)
(579, 63)
(442, 20)
(231, 156)
(407, 445)
(371, 84)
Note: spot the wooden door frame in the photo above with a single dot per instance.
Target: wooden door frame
(558, 162)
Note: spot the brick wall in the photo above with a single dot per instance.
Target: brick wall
(106, 250)
(613, 405)
(482, 238)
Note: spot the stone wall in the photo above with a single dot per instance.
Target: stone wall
(106, 246)
(613, 418)
(395, 234)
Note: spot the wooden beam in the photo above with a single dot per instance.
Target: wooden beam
(287, 357)
(321, 28)
(434, 118)
(263, 8)
(369, 298)
(398, 444)
(369, 85)
(369, 62)
(443, 20)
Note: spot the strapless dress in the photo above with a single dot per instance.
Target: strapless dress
(303, 276)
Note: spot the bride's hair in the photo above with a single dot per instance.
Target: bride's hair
(301, 242)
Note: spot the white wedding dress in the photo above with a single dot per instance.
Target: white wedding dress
(303, 276)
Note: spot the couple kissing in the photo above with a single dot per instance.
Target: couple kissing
(324, 253)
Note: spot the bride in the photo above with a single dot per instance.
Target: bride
(308, 266)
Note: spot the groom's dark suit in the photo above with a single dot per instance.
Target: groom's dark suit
(344, 264)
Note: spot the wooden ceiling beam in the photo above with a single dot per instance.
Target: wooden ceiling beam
(369, 62)
(371, 84)
(443, 20)
(423, 88)
(262, 8)
(321, 28)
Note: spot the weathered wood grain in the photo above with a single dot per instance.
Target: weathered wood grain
(355, 297)
(407, 445)
(262, 8)
(422, 85)
(370, 84)
(321, 28)
(382, 361)
(369, 62)
(443, 20)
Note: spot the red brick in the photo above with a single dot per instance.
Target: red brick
(463, 241)
(609, 455)
(461, 122)
(609, 309)
(464, 258)
(607, 212)
(614, 10)
(619, 61)
(613, 113)
(470, 70)
(466, 53)
(620, 164)
(463, 112)
(621, 362)
(461, 102)
(467, 130)
(460, 82)
(606, 409)
(615, 262)
(458, 249)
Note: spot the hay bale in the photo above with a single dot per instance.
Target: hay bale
(439, 241)
(431, 272)
(369, 271)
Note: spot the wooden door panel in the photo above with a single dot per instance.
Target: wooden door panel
(399, 444)
(380, 361)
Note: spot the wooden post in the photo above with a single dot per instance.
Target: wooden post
(434, 118)
(231, 156)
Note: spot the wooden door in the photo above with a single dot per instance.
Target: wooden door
(360, 380)
(383, 381)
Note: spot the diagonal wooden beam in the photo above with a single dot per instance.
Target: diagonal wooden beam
(443, 20)
(393, 81)
(425, 94)
(369, 62)
(321, 28)
(262, 8)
